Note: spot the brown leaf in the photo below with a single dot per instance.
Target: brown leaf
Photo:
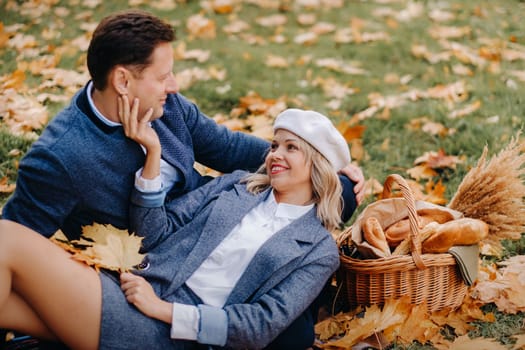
(422, 171)
(438, 160)
(520, 341)
(372, 187)
(435, 193)
(201, 27)
(275, 61)
(474, 106)
(465, 343)
(6, 187)
(357, 150)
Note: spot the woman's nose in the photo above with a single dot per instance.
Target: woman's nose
(276, 154)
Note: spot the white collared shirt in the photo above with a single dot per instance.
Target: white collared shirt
(214, 280)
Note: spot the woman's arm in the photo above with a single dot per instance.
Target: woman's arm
(140, 293)
(153, 219)
(253, 324)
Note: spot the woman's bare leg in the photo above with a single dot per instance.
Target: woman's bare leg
(24, 319)
(66, 295)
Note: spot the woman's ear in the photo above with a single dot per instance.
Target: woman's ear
(119, 80)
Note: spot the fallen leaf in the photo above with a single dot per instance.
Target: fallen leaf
(201, 27)
(465, 343)
(104, 246)
(474, 106)
(6, 187)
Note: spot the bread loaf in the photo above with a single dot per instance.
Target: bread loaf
(400, 230)
(373, 233)
(463, 231)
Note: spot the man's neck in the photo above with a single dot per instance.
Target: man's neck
(106, 103)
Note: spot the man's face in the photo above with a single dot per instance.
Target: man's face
(155, 82)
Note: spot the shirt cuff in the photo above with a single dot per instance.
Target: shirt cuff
(184, 322)
(213, 328)
(147, 185)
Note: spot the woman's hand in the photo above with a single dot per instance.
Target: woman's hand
(137, 129)
(141, 294)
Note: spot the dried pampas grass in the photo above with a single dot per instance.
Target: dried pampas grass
(494, 191)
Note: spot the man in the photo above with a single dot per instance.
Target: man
(82, 168)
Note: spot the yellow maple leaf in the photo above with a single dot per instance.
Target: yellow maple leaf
(104, 246)
(114, 249)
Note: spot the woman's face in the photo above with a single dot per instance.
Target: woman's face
(290, 173)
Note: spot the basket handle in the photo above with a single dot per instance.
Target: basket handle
(415, 242)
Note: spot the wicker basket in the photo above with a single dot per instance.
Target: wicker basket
(431, 278)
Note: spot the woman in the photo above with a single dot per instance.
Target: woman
(272, 226)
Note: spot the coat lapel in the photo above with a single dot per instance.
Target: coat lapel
(277, 258)
(227, 212)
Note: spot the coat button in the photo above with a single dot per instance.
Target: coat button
(144, 265)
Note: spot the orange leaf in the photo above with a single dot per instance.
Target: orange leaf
(351, 132)
(435, 192)
(13, 81)
(422, 172)
(6, 187)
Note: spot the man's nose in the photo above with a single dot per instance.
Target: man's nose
(171, 85)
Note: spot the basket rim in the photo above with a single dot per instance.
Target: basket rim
(396, 263)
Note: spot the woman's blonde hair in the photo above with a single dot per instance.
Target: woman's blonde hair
(327, 189)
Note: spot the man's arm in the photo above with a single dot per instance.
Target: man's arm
(44, 195)
(218, 147)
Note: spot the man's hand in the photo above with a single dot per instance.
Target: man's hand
(141, 294)
(354, 173)
(137, 129)
(141, 131)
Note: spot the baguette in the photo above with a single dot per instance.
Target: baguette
(463, 231)
(373, 233)
(404, 247)
(399, 231)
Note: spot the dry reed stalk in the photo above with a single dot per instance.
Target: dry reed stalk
(494, 191)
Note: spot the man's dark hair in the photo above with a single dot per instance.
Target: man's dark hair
(125, 38)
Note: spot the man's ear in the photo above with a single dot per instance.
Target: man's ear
(120, 80)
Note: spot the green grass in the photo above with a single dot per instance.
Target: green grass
(246, 71)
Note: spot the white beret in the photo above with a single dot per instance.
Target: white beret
(318, 131)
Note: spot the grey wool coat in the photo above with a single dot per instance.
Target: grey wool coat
(282, 280)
